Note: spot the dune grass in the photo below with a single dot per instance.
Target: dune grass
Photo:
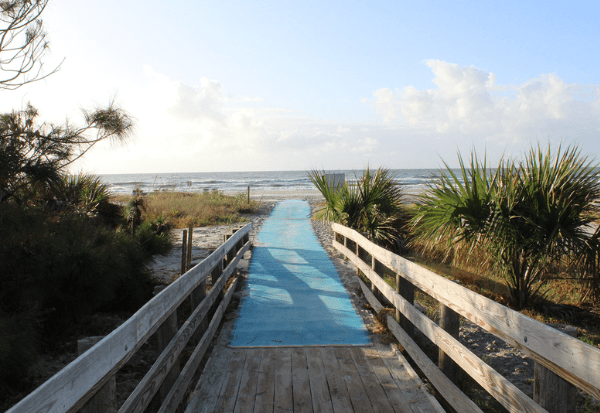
(181, 209)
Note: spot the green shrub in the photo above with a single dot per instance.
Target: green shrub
(17, 346)
(56, 269)
(526, 216)
(374, 206)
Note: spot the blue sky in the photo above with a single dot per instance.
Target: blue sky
(232, 85)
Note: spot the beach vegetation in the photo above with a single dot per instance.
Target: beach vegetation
(373, 206)
(523, 219)
(35, 155)
(56, 270)
(181, 209)
(66, 250)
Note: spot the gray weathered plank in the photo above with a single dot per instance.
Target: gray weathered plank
(415, 391)
(356, 390)
(375, 391)
(389, 385)
(208, 389)
(247, 392)
(340, 399)
(229, 391)
(301, 382)
(318, 382)
(265, 387)
(282, 364)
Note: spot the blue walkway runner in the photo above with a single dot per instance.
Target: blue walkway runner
(295, 295)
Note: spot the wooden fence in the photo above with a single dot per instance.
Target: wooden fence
(568, 357)
(80, 384)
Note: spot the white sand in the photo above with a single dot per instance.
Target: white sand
(274, 196)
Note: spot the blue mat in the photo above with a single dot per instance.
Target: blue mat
(295, 296)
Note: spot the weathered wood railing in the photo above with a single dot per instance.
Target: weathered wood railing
(75, 385)
(568, 357)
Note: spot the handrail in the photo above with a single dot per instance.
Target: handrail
(73, 386)
(568, 357)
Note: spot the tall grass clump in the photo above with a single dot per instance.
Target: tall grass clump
(181, 209)
(374, 206)
(524, 218)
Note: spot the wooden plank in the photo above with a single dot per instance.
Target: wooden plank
(340, 399)
(375, 391)
(449, 322)
(570, 358)
(167, 331)
(97, 365)
(265, 388)
(139, 399)
(356, 390)
(414, 390)
(176, 394)
(497, 385)
(300, 382)
(247, 392)
(229, 391)
(282, 364)
(318, 382)
(389, 385)
(196, 298)
(211, 382)
(443, 385)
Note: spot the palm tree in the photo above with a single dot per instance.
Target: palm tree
(134, 210)
(524, 216)
(374, 206)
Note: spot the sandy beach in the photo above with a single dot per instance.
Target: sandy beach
(274, 196)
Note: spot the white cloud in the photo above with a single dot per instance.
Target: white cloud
(183, 127)
(202, 126)
(468, 101)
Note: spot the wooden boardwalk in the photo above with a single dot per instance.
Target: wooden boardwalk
(307, 380)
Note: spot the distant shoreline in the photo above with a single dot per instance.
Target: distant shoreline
(309, 195)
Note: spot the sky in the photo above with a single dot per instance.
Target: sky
(288, 85)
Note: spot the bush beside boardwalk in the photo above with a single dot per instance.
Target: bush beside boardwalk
(59, 269)
(524, 219)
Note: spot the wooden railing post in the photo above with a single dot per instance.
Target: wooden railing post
(189, 247)
(196, 298)
(232, 252)
(450, 322)
(183, 251)
(217, 271)
(398, 315)
(407, 290)
(164, 334)
(373, 288)
(105, 399)
(357, 252)
(550, 391)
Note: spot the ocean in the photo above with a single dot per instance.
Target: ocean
(411, 180)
